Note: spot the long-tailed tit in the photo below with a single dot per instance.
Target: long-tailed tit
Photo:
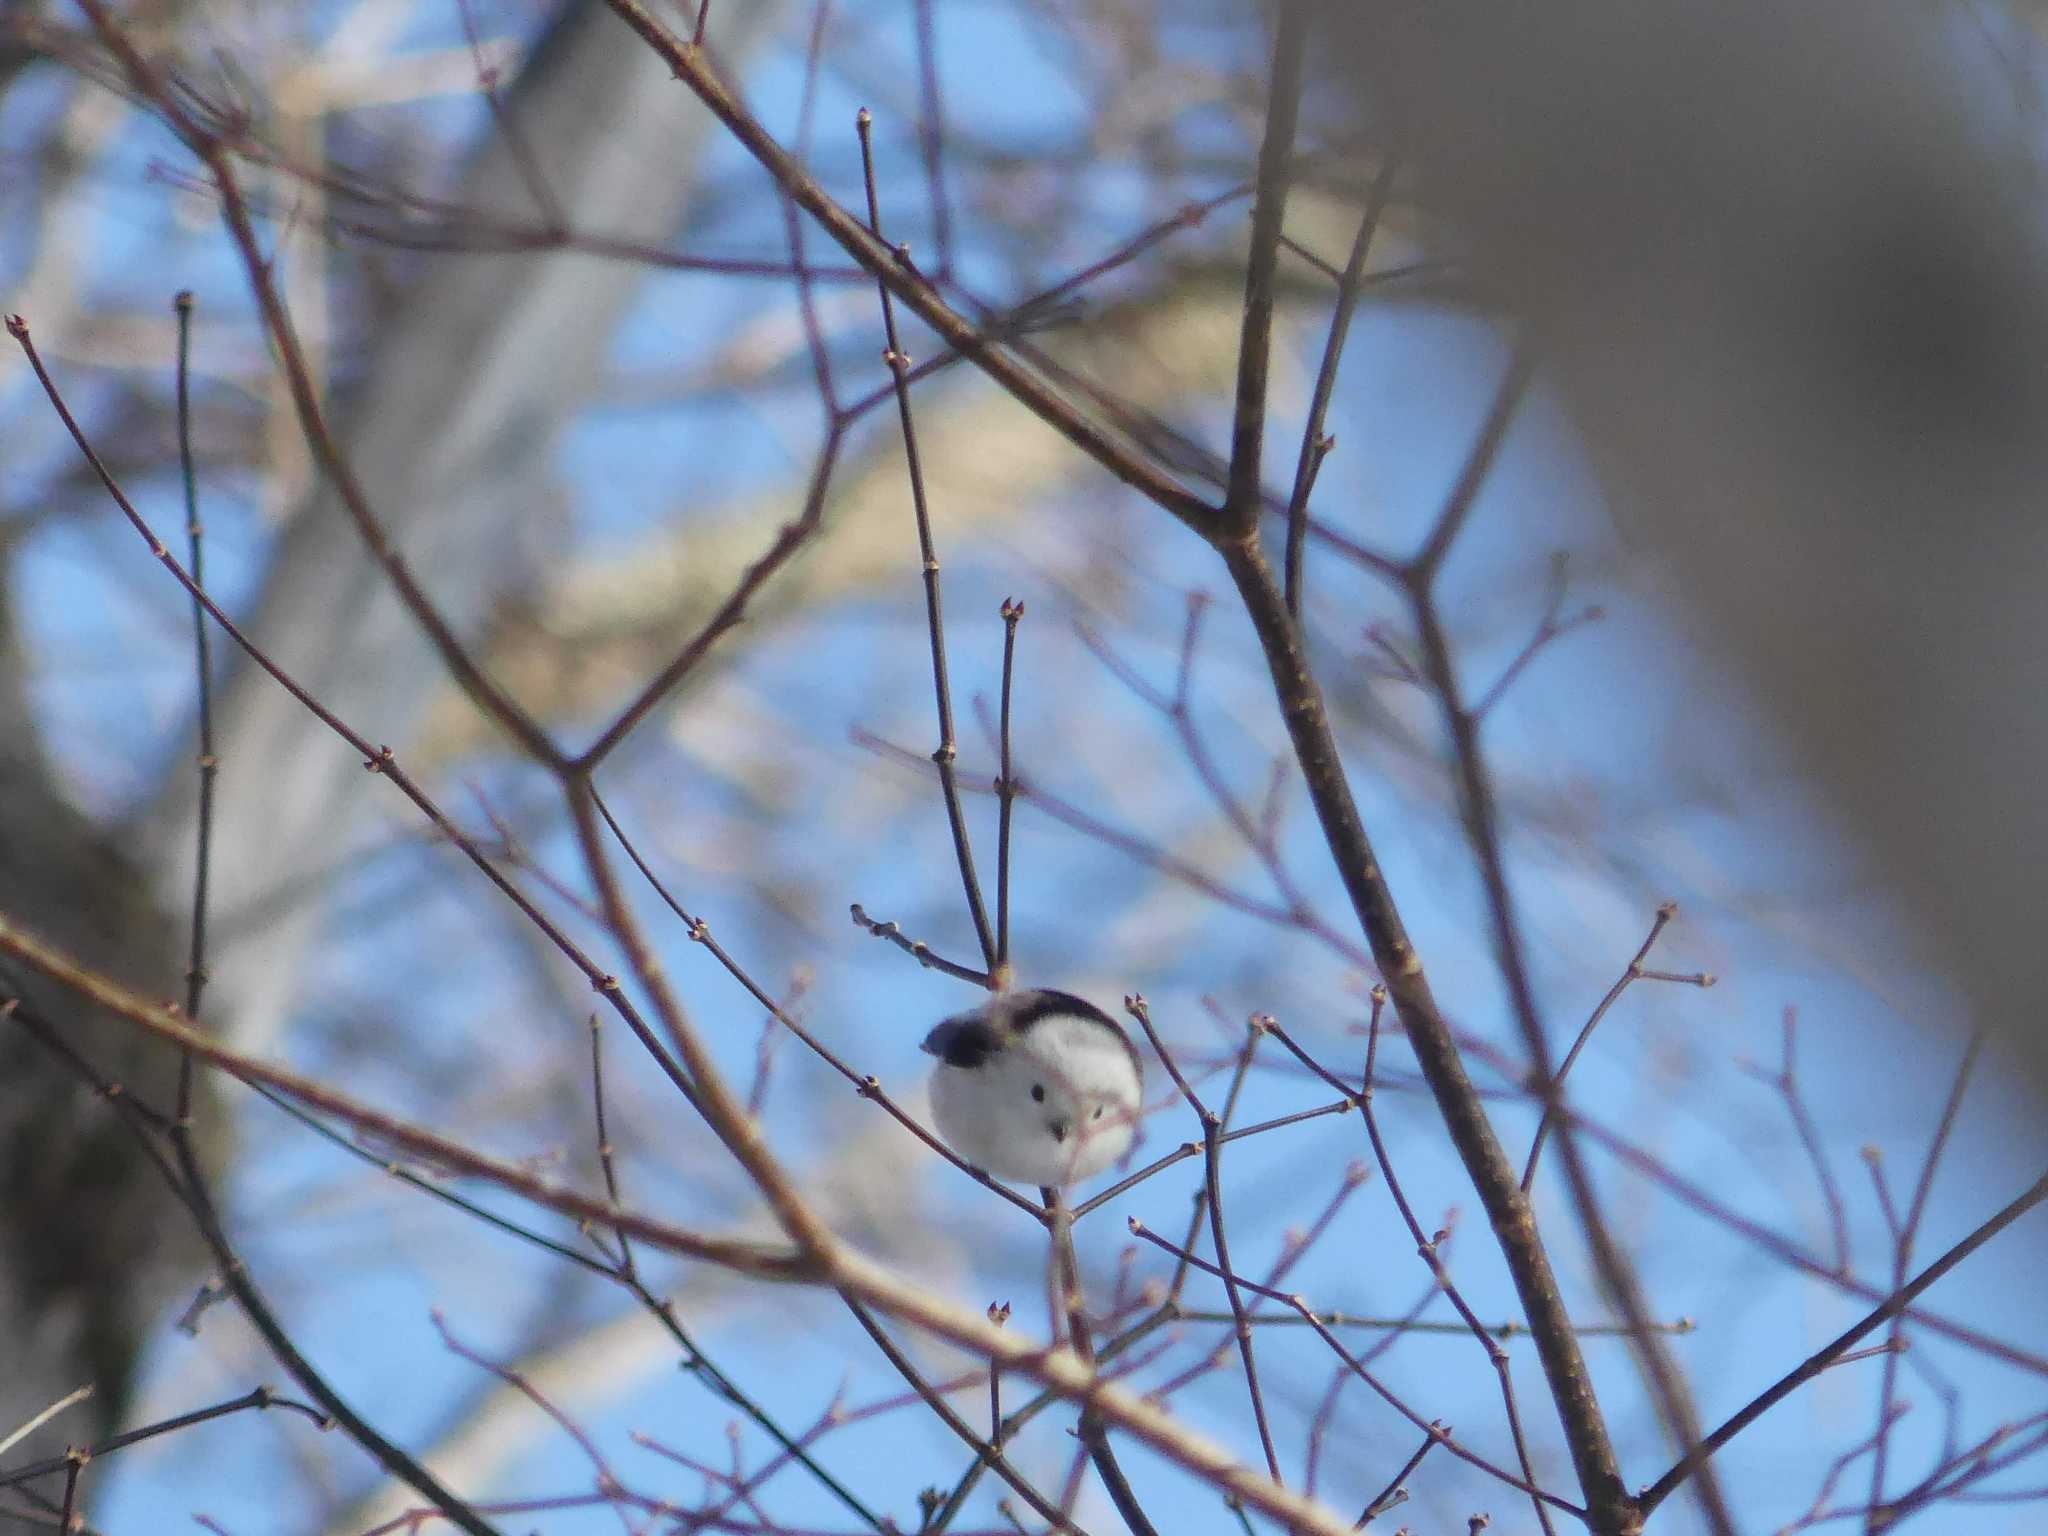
(1040, 1087)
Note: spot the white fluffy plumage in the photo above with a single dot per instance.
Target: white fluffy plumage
(1039, 1087)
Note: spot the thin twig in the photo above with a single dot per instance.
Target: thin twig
(1188, 1149)
(917, 949)
(1890, 1308)
(865, 1084)
(553, 219)
(1428, 1247)
(1059, 1226)
(1429, 1034)
(985, 1452)
(604, 1143)
(1358, 1368)
(1507, 396)
(209, 764)
(931, 136)
(1903, 1237)
(1633, 973)
(898, 362)
(74, 1464)
(1786, 1082)
(999, 1315)
(1006, 792)
(1553, 626)
(1243, 501)
(1614, 1511)
(1212, 1183)
(1396, 1492)
(1315, 447)
(258, 1398)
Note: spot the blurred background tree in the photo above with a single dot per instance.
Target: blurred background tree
(1706, 348)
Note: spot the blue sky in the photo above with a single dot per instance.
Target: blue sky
(1636, 773)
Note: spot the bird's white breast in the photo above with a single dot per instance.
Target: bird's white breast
(1085, 1081)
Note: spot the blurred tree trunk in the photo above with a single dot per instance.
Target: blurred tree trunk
(1785, 267)
(452, 432)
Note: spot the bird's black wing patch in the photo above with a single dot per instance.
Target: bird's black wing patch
(967, 1041)
(1028, 1008)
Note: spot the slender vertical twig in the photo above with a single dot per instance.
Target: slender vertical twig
(943, 755)
(553, 218)
(209, 764)
(605, 1159)
(74, 1464)
(1073, 1316)
(1315, 447)
(994, 1458)
(1212, 1182)
(1269, 208)
(999, 1314)
(1006, 793)
(931, 136)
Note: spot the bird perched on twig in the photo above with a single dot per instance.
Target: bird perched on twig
(1040, 1087)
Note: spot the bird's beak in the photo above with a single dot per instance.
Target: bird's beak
(1059, 1128)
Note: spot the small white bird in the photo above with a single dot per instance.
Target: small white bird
(1040, 1087)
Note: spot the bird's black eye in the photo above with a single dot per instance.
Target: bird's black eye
(1098, 1111)
(1038, 1093)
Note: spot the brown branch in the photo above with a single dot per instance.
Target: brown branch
(836, 1265)
(1395, 1493)
(1314, 445)
(260, 1397)
(1893, 1306)
(790, 538)
(380, 760)
(1006, 790)
(1243, 500)
(1059, 1226)
(1429, 1034)
(1113, 452)
(943, 755)
(891, 932)
(498, 705)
